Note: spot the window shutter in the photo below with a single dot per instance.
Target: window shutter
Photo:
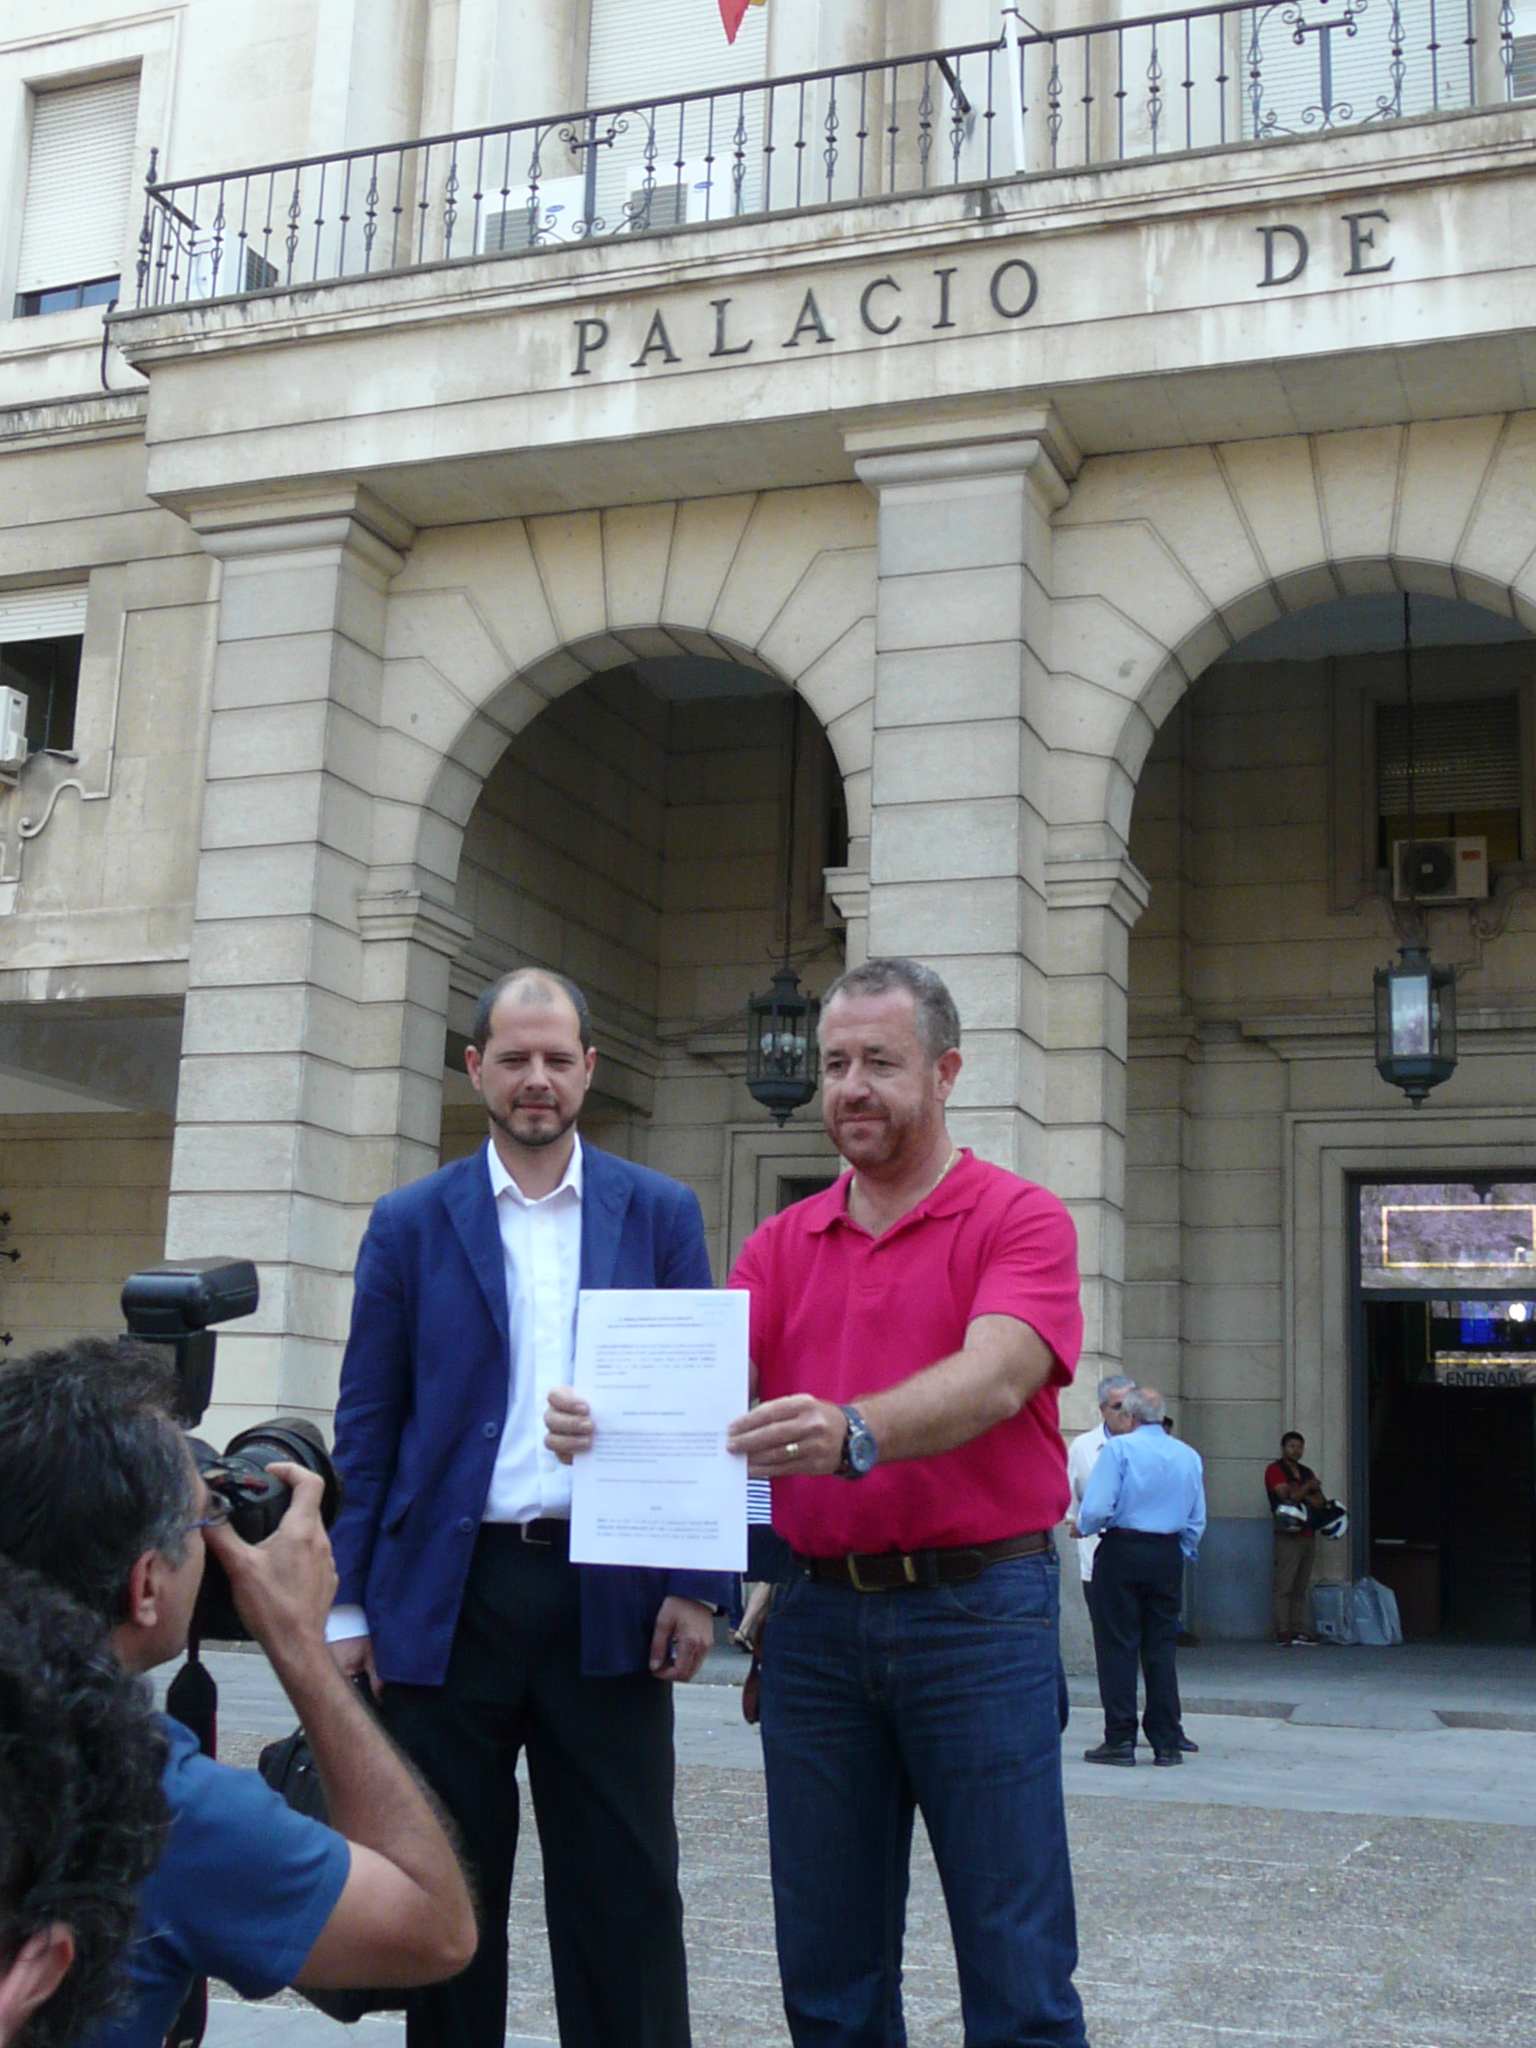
(1466, 757)
(677, 47)
(42, 614)
(667, 48)
(79, 177)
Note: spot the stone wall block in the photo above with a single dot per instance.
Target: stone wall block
(960, 841)
(1085, 788)
(1008, 1137)
(787, 531)
(967, 763)
(943, 686)
(925, 919)
(957, 525)
(836, 592)
(842, 678)
(438, 642)
(274, 740)
(247, 882)
(1358, 477)
(1183, 494)
(1091, 638)
(1444, 464)
(953, 609)
(1276, 495)
(275, 809)
(637, 545)
(269, 1087)
(705, 537)
(1134, 556)
(302, 589)
(568, 548)
(1087, 1086)
(1497, 541)
(852, 739)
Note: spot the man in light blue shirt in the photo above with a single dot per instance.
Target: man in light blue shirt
(1146, 1498)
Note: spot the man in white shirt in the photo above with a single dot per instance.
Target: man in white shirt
(452, 1545)
(1081, 1459)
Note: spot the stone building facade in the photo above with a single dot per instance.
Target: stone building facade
(1004, 567)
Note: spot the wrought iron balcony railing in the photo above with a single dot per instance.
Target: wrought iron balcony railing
(1076, 99)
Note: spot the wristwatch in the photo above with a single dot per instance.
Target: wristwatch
(860, 1451)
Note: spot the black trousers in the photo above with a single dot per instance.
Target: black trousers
(600, 1768)
(1138, 1581)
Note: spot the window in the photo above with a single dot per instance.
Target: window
(700, 153)
(40, 635)
(1466, 773)
(79, 181)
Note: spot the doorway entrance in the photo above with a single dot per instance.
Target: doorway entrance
(1446, 1403)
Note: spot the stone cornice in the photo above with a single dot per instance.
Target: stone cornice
(1097, 881)
(93, 416)
(396, 915)
(298, 518)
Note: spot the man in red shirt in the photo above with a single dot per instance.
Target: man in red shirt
(911, 1330)
(1289, 1483)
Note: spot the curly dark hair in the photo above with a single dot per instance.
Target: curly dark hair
(82, 1814)
(93, 1471)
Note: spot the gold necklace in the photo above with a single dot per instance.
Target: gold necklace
(954, 1154)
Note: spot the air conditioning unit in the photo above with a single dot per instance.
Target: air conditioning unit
(13, 731)
(1439, 870)
(554, 212)
(678, 194)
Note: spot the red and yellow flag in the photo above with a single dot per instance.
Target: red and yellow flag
(733, 13)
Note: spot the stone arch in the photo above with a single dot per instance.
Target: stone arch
(488, 624)
(1163, 561)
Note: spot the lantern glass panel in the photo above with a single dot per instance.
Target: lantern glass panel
(1412, 1015)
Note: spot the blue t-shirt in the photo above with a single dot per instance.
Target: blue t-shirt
(242, 1891)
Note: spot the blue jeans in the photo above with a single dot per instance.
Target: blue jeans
(950, 1699)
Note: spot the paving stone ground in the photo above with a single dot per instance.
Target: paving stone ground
(1297, 1884)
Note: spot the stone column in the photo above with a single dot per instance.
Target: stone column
(958, 840)
(312, 1048)
(1094, 893)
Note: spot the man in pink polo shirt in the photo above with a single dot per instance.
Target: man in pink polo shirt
(911, 1330)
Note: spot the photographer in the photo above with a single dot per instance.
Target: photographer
(98, 1491)
(82, 1816)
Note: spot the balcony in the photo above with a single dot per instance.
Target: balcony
(1072, 101)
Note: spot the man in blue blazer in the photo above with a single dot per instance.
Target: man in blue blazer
(457, 1594)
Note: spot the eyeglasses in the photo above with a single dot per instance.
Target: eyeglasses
(219, 1512)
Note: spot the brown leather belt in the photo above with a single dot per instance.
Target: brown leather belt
(893, 1571)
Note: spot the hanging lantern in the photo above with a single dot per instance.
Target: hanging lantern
(1415, 1023)
(783, 1058)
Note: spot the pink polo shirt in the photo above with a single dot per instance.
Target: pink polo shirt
(838, 1313)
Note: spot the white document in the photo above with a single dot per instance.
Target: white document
(665, 1373)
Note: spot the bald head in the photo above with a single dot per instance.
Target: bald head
(538, 987)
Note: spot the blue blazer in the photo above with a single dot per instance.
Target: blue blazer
(424, 1388)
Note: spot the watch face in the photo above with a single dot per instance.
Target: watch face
(862, 1448)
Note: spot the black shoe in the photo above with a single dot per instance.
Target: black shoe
(1167, 1757)
(1123, 1753)
(1189, 1748)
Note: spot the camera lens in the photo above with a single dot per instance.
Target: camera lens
(293, 1440)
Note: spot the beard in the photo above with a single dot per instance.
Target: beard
(533, 1137)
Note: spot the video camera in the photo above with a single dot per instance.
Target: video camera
(175, 1304)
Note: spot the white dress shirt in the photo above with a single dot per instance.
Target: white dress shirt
(541, 1251)
(541, 1254)
(1081, 1459)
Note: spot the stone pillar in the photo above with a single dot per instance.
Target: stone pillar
(312, 1048)
(1095, 894)
(958, 839)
